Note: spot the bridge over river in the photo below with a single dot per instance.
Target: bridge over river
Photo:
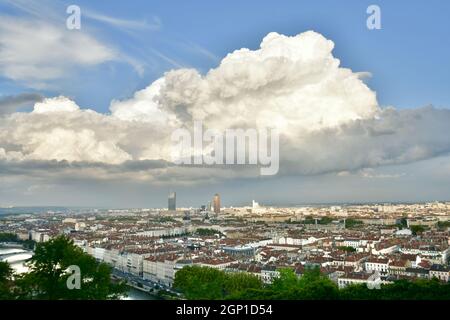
(16, 255)
(10, 245)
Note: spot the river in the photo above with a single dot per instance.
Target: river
(17, 262)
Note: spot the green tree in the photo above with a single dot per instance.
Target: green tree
(286, 281)
(204, 283)
(347, 248)
(207, 283)
(313, 285)
(199, 283)
(207, 232)
(417, 229)
(8, 237)
(356, 292)
(238, 282)
(49, 274)
(325, 220)
(443, 225)
(6, 276)
(350, 223)
(403, 223)
(420, 289)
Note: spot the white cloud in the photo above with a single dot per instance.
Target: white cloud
(34, 51)
(328, 119)
(57, 104)
(142, 107)
(63, 144)
(293, 79)
(125, 24)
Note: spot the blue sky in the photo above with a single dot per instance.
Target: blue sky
(408, 57)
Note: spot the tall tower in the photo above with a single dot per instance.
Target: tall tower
(172, 201)
(216, 203)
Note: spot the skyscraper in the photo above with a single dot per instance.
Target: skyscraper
(216, 203)
(172, 201)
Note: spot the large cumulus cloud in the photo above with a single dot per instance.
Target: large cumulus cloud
(328, 119)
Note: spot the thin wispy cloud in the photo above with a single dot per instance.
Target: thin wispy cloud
(127, 24)
(41, 73)
(38, 9)
(166, 58)
(34, 51)
(36, 48)
(193, 47)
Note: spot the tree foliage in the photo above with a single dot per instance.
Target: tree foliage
(350, 223)
(443, 225)
(311, 285)
(12, 237)
(206, 283)
(402, 223)
(347, 248)
(417, 229)
(420, 289)
(49, 274)
(6, 274)
(7, 237)
(207, 232)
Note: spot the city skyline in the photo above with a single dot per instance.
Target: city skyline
(376, 246)
(11, 209)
